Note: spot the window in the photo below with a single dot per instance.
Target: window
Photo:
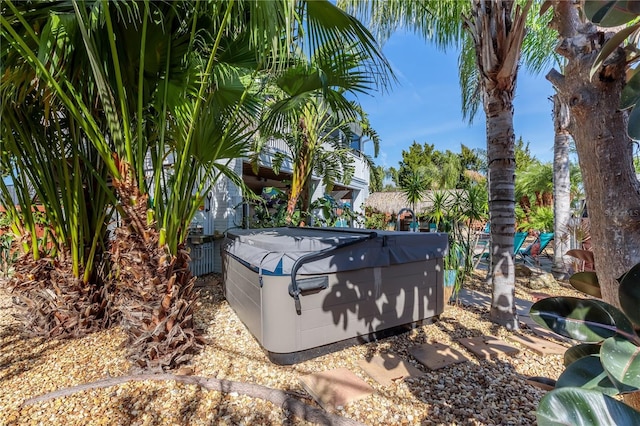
(355, 142)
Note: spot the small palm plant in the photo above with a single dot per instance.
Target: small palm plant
(607, 363)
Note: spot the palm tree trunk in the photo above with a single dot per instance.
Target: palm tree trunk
(153, 288)
(498, 29)
(301, 173)
(561, 187)
(297, 188)
(502, 165)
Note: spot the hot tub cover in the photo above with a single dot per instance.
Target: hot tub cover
(275, 250)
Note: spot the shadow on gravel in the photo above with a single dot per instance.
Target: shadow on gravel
(478, 391)
(19, 353)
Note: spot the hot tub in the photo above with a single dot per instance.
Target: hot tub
(303, 292)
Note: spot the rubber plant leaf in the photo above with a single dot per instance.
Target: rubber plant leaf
(610, 46)
(587, 373)
(629, 293)
(582, 350)
(587, 320)
(608, 13)
(621, 360)
(580, 407)
(631, 92)
(586, 282)
(633, 128)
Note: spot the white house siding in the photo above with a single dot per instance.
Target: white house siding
(226, 210)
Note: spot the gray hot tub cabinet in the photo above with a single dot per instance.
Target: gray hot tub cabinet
(348, 285)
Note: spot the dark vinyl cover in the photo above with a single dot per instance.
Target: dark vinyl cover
(267, 249)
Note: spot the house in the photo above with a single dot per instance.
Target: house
(224, 207)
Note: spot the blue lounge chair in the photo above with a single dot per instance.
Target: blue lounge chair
(543, 239)
(518, 240)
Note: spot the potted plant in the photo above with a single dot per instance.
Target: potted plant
(453, 260)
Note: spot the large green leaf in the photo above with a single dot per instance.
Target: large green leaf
(576, 352)
(608, 13)
(633, 128)
(610, 46)
(631, 92)
(578, 407)
(621, 360)
(587, 373)
(586, 320)
(586, 282)
(629, 290)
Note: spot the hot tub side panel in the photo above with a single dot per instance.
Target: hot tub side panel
(243, 293)
(356, 303)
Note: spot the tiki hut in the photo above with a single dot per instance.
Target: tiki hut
(393, 202)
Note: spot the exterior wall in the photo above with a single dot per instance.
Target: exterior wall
(222, 209)
(226, 210)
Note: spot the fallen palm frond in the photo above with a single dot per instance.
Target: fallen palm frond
(52, 302)
(280, 398)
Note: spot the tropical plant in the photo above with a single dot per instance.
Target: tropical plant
(270, 209)
(539, 218)
(438, 212)
(414, 187)
(105, 124)
(452, 211)
(606, 364)
(333, 213)
(536, 182)
(497, 30)
(310, 112)
(377, 175)
(375, 220)
(620, 14)
(117, 84)
(8, 254)
(471, 205)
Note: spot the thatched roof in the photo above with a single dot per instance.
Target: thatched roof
(392, 202)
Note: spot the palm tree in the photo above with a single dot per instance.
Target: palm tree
(308, 109)
(414, 187)
(535, 182)
(561, 185)
(159, 105)
(496, 31)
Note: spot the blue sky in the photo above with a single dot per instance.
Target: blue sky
(425, 105)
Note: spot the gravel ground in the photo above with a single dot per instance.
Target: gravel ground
(475, 393)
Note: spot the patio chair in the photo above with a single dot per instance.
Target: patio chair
(533, 252)
(518, 240)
